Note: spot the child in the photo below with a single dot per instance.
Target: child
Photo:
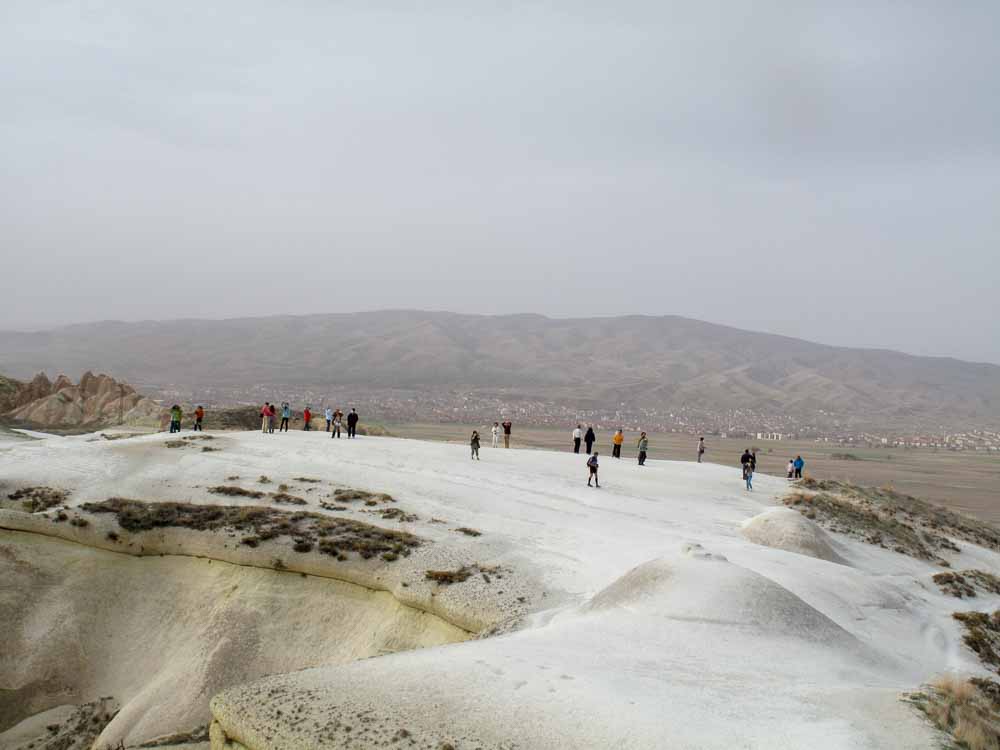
(474, 442)
(748, 475)
(790, 469)
(592, 463)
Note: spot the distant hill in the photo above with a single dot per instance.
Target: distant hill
(663, 362)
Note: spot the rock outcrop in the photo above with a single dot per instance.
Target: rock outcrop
(96, 401)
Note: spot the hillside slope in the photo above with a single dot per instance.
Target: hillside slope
(662, 362)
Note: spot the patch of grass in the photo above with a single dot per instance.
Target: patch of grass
(209, 449)
(199, 734)
(333, 536)
(307, 480)
(965, 583)
(967, 710)
(112, 536)
(448, 577)
(233, 478)
(174, 444)
(982, 635)
(234, 491)
(199, 437)
(369, 498)
(468, 532)
(395, 514)
(79, 522)
(37, 499)
(264, 479)
(328, 506)
(286, 499)
(303, 545)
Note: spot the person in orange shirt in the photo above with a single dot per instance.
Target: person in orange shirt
(616, 444)
(199, 414)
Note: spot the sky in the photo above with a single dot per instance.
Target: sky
(829, 171)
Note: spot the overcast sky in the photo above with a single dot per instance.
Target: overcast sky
(824, 170)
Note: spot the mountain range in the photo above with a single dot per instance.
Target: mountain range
(661, 363)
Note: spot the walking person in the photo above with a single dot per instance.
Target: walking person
(577, 437)
(264, 411)
(175, 418)
(616, 444)
(337, 421)
(747, 457)
(798, 464)
(643, 445)
(329, 418)
(272, 413)
(199, 415)
(495, 429)
(352, 424)
(307, 418)
(701, 448)
(590, 438)
(286, 414)
(748, 475)
(474, 444)
(506, 433)
(592, 465)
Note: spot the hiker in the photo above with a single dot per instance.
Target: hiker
(272, 413)
(286, 414)
(701, 448)
(175, 418)
(263, 417)
(790, 469)
(306, 418)
(506, 433)
(616, 444)
(643, 446)
(329, 418)
(797, 465)
(474, 443)
(592, 465)
(335, 424)
(199, 415)
(495, 429)
(746, 458)
(577, 437)
(590, 438)
(352, 423)
(748, 474)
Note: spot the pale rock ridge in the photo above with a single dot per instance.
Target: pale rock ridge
(96, 400)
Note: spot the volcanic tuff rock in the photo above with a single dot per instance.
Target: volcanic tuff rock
(96, 400)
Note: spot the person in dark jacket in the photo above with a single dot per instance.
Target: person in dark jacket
(643, 446)
(506, 433)
(474, 444)
(592, 465)
(590, 438)
(747, 457)
(352, 423)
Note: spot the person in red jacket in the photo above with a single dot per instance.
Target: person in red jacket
(306, 415)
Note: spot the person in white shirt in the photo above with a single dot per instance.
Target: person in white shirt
(577, 437)
(329, 418)
(496, 434)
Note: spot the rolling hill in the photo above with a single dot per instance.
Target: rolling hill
(657, 362)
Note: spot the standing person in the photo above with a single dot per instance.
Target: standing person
(592, 465)
(286, 414)
(790, 469)
(329, 418)
(643, 447)
(616, 444)
(495, 429)
(474, 444)
(335, 425)
(352, 423)
(753, 459)
(175, 418)
(263, 417)
(577, 437)
(272, 412)
(590, 438)
(701, 448)
(307, 418)
(746, 458)
(506, 433)
(748, 474)
(798, 464)
(199, 415)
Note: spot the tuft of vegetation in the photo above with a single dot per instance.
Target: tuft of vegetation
(200, 436)
(982, 635)
(965, 583)
(307, 480)
(334, 536)
(286, 499)
(79, 522)
(967, 710)
(233, 478)
(209, 449)
(395, 514)
(234, 491)
(328, 506)
(199, 734)
(303, 545)
(889, 519)
(38, 499)
(174, 444)
(112, 536)
(468, 532)
(448, 577)
(264, 479)
(369, 498)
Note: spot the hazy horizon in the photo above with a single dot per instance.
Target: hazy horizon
(826, 173)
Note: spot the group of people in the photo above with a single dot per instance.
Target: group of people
(334, 419)
(589, 437)
(749, 463)
(498, 429)
(176, 414)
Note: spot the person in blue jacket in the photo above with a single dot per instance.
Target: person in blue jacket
(797, 464)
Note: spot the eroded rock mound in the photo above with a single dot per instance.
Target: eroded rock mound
(783, 528)
(97, 400)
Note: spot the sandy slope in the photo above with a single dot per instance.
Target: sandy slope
(661, 625)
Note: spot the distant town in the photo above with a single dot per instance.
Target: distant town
(389, 406)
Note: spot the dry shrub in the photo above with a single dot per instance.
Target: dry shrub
(982, 635)
(370, 498)
(308, 480)
(468, 532)
(965, 583)
(234, 491)
(37, 499)
(964, 710)
(174, 444)
(448, 577)
(286, 499)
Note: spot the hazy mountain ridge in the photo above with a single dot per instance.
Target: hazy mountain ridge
(662, 362)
